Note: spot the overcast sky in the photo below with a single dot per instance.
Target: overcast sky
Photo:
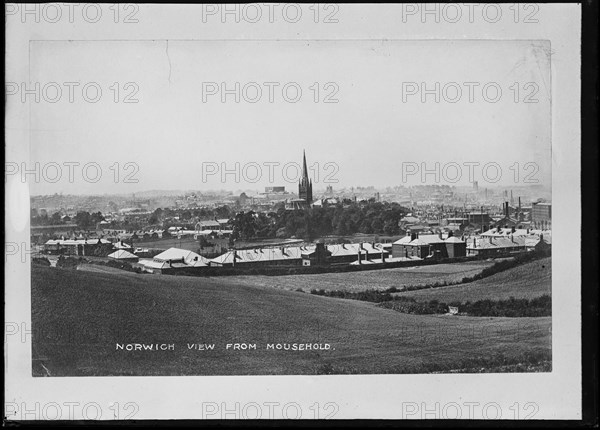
(368, 133)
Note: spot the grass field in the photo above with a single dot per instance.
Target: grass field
(370, 279)
(79, 316)
(188, 243)
(527, 281)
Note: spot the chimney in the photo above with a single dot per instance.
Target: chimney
(491, 240)
(382, 255)
(413, 236)
(474, 243)
(234, 257)
(359, 263)
(440, 235)
(512, 229)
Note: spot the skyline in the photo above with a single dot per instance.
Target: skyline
(180, 125)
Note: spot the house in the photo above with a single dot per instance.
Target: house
(79, 247)
(319, 256)
(507, 222)
(224, 223)
(455, 247)
(302, 255)
(262, 256)
(456, 223)
(505, 232)
(208, 225)
(357, 252)
(540, 243)
(429, 245)
(492, 246)
(399, 247)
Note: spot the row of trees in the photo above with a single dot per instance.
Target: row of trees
(345, 218)
(188, 215)
(83, 219)
(341, 219)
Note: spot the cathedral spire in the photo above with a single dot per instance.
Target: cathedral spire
(305, 185)
(304, 169)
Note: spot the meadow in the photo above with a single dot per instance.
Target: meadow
(370, 279)
(526, 281)
(79, 317)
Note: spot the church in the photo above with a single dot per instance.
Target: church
(305, 190)
(305, 184)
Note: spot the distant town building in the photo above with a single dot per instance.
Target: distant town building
(478, 218)
(272, 190)
(305, 191)
(541, 214)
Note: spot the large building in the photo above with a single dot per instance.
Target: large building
(305, 185)
(429, 246)
(541, 214)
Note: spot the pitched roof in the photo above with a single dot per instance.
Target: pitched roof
(151, 264)
(77, 242)
(121, 254)
(404, 240)
(426, 239)
(189, 257)
(294, 252)
(266, 254)
(497, 242)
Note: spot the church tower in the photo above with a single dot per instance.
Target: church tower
(305, 184)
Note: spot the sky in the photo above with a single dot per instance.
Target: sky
(178, 133)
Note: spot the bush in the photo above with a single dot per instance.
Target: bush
(512, 308)
(68, 262)
(41, 261)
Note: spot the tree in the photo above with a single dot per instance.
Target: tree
(55, 219)
(86, 220)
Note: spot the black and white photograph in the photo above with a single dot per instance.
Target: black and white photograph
(297, 193)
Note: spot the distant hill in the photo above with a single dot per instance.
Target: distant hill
(78, 318)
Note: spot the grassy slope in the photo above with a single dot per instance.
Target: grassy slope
(527, 281)
(377, 279)
(79, 316)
